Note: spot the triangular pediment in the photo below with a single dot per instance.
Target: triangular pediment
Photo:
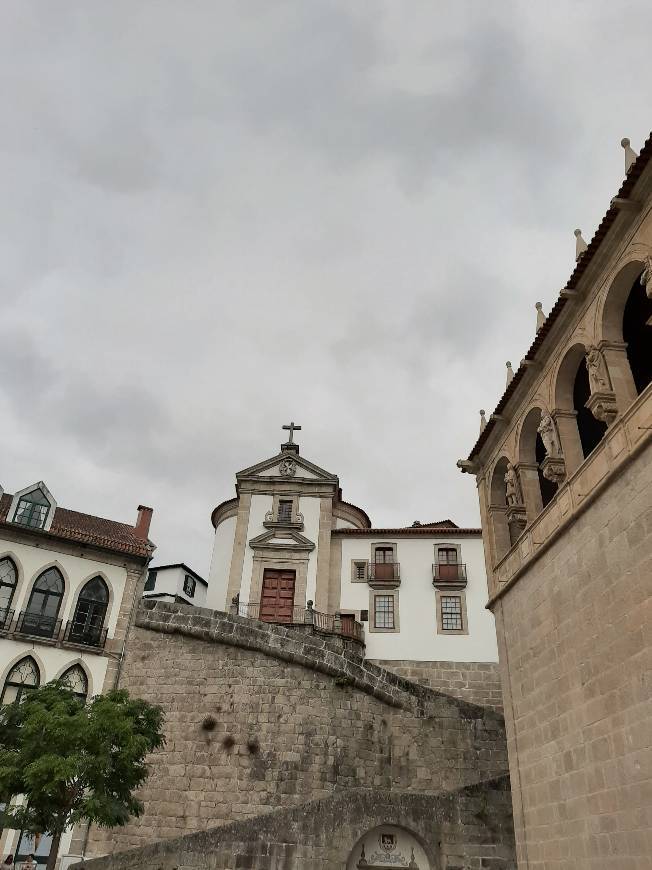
(287, 466)
(276, 540)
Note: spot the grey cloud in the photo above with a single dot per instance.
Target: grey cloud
(220, 217)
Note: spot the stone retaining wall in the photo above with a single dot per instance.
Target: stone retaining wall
(477, 682)
(260, 716)
(466, 829)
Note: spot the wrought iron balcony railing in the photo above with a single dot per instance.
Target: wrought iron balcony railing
(449, 573)
(37, 625)
(6, 618)
(48, 627)
(341, 624)
(85, 635)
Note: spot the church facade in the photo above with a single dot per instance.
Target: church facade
(564, 475)
(288, 549)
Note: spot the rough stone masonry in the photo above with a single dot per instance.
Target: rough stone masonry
(264, 719)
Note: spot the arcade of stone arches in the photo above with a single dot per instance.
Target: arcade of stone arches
(606, 365)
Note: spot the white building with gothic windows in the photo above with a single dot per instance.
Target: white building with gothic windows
(288, 549)
(68, 585)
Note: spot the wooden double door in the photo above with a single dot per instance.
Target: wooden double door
(277, 596)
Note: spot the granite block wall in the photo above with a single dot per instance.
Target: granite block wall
(576, 654)
(260, 717)
(476, 682)
(467, 829)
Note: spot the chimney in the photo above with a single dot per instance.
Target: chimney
(141, 529)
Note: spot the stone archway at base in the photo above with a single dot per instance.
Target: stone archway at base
(388, 846)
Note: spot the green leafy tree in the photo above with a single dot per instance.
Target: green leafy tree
(72, 762)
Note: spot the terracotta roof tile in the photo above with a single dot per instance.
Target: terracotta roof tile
(580, 267)
(432, 529)
(87, 529)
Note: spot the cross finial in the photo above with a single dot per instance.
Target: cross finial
(292, 427)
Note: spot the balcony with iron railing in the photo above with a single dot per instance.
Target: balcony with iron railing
(48, 628)
(340, 624)
(449, 575)
(384, 574)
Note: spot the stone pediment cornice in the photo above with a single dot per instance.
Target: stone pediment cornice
(256, 472)
(274, 540)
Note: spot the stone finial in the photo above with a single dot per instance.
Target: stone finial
(541, 317)
(510, 373)
(580, 244)
(483, 420)
(630, 154)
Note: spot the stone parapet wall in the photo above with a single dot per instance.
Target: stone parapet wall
(261, 716)
(467, 829)
(576, 650)
(476, 682)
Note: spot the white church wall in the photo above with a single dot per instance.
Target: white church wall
(344, 524)
(218, 576)
(260, 505)
(417, 638)
(309, 507)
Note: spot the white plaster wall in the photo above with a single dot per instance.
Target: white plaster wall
(76, 570)
(309, 507)
(260, 506)
(52, 661)
(344, 524)
(218, 576)
(418, 639)
(167, 582)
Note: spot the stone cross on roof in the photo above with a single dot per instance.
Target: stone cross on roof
(292, 428)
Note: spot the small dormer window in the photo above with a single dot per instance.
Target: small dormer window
(285, 511)
(32, 509)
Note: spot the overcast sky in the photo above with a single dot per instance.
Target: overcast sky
(220, 216)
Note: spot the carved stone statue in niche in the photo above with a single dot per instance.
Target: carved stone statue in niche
(646, 275)
(549, 435)
(599, 380)
(513, 487)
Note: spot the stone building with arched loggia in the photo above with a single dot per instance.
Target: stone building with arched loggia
(564, 474)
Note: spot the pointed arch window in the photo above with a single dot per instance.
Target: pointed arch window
(33, 509)
(22, 678)
(8, 582)
(40, 618)
(76, 680)
(88, 621)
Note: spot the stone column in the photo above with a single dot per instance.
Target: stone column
(620, 373)
(324, 553)
(499, 531)
(531, 488)
(569, 435)
(239, 546)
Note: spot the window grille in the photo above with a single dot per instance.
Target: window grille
(284, 511)
(189, 586)
(360, 570)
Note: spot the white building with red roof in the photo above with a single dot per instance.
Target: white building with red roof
(69, 582)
